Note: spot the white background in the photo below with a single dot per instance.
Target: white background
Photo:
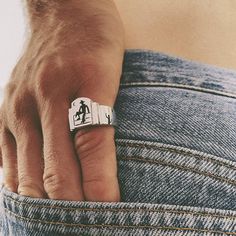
(12, 34)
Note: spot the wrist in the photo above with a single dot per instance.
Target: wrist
(47, 15)
(50, 13)
(69, 23)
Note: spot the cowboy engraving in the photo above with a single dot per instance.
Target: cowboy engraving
(84, 109)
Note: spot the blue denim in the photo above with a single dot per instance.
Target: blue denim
(176, 152)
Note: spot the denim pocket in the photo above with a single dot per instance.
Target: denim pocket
(166, 190)
(25, 216)
(159, 173)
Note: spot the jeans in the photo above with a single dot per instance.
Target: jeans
(176, 153)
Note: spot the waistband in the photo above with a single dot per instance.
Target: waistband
(142, 67)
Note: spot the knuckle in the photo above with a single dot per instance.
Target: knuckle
(22, 96)
(19, 107)
(11, 184)
(28, 187)
(92, 141)
(43, 85)
(54, 183)
(48, 76)
(21, 111)
(31, 190)
(87, 148)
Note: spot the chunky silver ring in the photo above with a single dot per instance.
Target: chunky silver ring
(84, 112)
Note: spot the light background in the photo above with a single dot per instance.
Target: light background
(12, 34)
(12, 28)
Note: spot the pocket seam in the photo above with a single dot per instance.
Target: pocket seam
(179, 86)
(122, 209)
(121, 226)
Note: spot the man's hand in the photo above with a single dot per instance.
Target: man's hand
(75, 50)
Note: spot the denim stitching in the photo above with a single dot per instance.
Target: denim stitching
(120, 226)
(168, 75)
(189, 87)
(170, 149)
(176, 166)
(121, 210)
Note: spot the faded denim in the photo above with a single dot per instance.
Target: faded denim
(176, 152)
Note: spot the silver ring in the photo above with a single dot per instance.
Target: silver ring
(84, 112)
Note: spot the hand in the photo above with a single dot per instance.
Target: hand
(75, 50)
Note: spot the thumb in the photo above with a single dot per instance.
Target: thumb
(95, 147)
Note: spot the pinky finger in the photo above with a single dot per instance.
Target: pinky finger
(9, 161)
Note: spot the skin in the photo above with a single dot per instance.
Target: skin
(82, 43)
(75, 50)
(202, 30)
